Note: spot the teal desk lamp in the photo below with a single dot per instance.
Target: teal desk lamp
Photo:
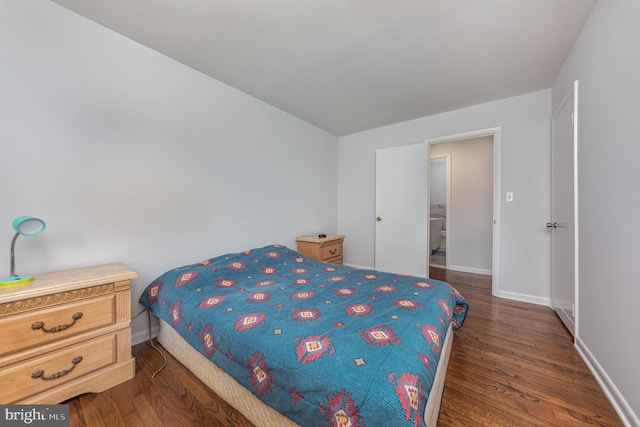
(27, 226)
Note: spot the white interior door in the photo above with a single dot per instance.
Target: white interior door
(401, 235)
(563, 223)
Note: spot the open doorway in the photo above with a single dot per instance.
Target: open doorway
(439, 186)
(472, 224)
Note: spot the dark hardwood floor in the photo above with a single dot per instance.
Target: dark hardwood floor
(512, 364)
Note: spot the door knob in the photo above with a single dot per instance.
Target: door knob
(379, 218)
(552, 225)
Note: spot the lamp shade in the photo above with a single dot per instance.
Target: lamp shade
(29, 226)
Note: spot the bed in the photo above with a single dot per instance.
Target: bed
(288, 340)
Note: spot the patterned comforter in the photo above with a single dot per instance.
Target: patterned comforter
(323, 344)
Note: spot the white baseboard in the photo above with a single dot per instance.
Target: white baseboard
(472, 270)
(451, 267)
(526, 298)
(361, 267)
(402, 273)
(626, 414)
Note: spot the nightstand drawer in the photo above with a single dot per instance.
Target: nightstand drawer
(332, 250)
(43, 326)
(42, 373)
(326, 249)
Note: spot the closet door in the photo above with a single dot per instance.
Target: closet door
(564, 216)
(402, 197)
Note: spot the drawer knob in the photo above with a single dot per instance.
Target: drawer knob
(40, 373)
(333, 251)
(40, 325)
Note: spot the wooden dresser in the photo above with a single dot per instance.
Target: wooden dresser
(325, 249)
(66, 333)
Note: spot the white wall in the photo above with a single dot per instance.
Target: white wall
(438, 181)
(131, 156)
(606, 61)
(471, 205)
(525, 123)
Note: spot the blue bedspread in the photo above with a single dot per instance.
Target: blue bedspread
(323, 344)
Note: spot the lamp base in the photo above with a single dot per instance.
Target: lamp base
(15, 280)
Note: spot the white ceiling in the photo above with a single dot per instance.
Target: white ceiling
(351, 65)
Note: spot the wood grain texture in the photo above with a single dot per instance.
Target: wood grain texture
(174, 398)
(70, 281)
(325, 249)
(66, 333)
(512, 364)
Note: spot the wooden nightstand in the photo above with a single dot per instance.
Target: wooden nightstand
(66, 333)
(325, 249)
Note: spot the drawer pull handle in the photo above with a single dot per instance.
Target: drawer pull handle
(40, 325)
(40, 373)
(333, 251)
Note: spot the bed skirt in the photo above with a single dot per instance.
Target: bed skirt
(250, 406)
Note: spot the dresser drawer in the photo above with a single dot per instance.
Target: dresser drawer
(43, 326)
(332, 250)
(42, 373)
